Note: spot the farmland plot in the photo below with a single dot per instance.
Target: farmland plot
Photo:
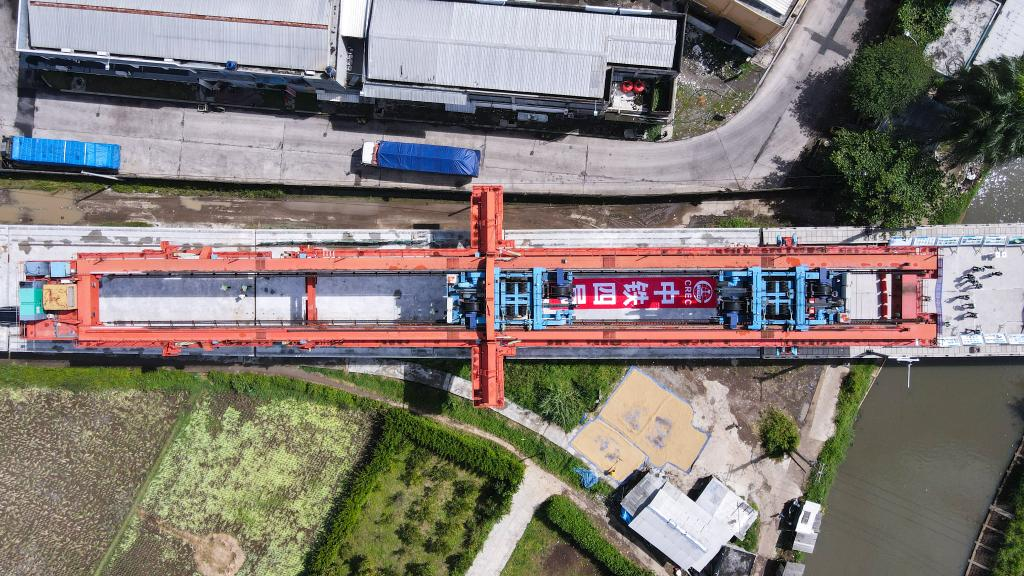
(243, 489)
(69, 467)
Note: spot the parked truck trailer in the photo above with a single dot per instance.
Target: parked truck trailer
(64, 154)
(422, 158)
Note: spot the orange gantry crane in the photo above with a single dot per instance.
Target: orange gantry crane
(488, 258)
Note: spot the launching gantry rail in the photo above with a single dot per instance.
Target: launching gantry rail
(502, 297)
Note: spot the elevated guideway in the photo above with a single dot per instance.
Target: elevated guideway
(774, 293)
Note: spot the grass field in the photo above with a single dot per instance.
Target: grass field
(542, 550)
(417, 518)
(262, 472)
(69, 467)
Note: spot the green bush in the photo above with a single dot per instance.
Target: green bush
(753, 535)
(924, 20)
(855, 386)
(779, 433)
(1010, 559)
(543, 452)
(887, 182)
(563, 392)
(574, 524)
(887, 76)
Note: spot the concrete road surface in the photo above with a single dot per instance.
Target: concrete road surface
(169, 141)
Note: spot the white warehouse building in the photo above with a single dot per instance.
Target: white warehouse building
(459, 55)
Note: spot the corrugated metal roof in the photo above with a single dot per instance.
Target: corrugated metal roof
(291, 35)
(680, 529)
(413, 94)
(1006, 37)
(510, 49)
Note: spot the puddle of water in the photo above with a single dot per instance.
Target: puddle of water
(35, 207)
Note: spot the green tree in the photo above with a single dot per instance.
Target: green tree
(887, 182)
(924, 20)
(887, 76)
(779, 433)
(988, 108)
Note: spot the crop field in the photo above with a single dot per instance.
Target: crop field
(70, 464)
(244, 488)
(542, 550)
(417, 519)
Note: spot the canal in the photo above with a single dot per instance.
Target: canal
(925, 463)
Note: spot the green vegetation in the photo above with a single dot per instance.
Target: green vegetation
(753, 535)
(736, 222)
(855, 386)
(431, 400)
(562, 392)
(234, 467)
(261, 473)
(953, 206)
(888, 182)
(778, 432)
(400, 428)
(887, 76)
(574, 524)
(73, 184)
(988, 105)
(87, 453)
(923, 20)
(1010, 559)
(542, 550)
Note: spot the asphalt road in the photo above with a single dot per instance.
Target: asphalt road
(751, 151)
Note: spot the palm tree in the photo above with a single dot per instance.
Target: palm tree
(988, 106)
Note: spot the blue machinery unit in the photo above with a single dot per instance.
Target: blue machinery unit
(796, 299)
(750, 299)
(534, 299)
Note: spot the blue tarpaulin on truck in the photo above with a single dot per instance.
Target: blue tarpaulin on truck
(69, 153)
(428, 158)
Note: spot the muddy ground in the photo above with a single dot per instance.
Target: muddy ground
(19, 206)
(727, 400)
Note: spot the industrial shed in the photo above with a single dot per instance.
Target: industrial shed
(510, 49)
(293, 35)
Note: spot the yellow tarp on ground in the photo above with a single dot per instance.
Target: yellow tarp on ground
(641, 418)
(608, 450)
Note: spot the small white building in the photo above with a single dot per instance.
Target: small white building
(689, 532)
(808, 524)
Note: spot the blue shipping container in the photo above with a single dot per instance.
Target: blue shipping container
(69, 153)
(428, 158)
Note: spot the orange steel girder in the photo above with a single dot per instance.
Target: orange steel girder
(487, 251)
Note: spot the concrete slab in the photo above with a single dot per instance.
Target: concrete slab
(999, 304)
(383, 298)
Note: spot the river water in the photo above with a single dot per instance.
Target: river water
(925, 463)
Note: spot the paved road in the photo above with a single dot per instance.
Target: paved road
(174, 142)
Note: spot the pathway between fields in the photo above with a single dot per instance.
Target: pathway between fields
(536, 487)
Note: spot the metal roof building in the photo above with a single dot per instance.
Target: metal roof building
(689, 532)
(292, 35)
(510, 49)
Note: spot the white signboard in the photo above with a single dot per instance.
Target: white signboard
(900, 241)
(947, 341)
(972, 240)
(995, 240)
(924, 241)
(1017, 339)
(948, 241)
(995, 338)
(972, 340)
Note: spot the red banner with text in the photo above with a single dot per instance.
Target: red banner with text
(645, 292)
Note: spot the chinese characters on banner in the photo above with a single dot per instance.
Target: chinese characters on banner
(645, 292)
